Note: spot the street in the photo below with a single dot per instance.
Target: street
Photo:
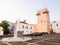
(46, 39)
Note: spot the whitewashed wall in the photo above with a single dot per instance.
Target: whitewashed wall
(25, 29)
(55, 27)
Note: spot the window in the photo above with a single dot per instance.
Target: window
(57, 25)
(38, 13)
(26, 31)
(30, 27)
(22, 26)
(41, 20)
(26, 27)
(51, 25)
(45, 12)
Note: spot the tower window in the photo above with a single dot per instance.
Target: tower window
(38, 13)
(51, 25)
(41, 20)
(45, 12)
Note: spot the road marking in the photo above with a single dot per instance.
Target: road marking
(32, 44)
(5, 42)
(47, 42)
(42, 41)
(51, 43)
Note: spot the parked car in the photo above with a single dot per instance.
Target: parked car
(35, 34)
(38, 33)
(44, 32)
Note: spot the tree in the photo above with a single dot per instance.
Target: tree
(5, 25)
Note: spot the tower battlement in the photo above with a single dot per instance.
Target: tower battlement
(43, 10)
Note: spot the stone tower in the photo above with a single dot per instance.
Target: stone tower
(43, 20)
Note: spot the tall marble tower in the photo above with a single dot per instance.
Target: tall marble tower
(43, 20)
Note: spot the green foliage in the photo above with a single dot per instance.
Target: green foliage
(5, 25)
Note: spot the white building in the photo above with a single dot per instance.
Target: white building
(23, 26)
(1, 30)
(55, 26)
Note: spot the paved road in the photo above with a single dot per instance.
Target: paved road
(4, 43)
(51, 39)
(46, 39)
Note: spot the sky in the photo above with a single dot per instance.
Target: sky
(11, 10)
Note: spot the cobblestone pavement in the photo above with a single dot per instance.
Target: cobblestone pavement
(1, 43)
(46, 39)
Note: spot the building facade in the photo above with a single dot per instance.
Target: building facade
(55, 26)
(42, 21)
(23, 26)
